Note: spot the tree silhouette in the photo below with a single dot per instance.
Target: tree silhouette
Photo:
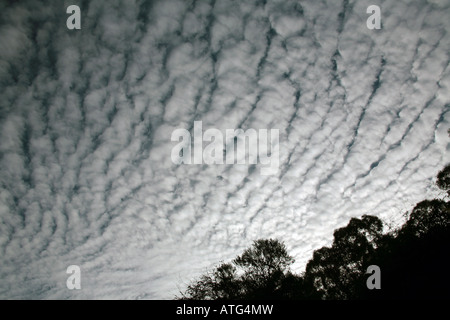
(265, 265)
(338, 272)
(261, 272)
(413, 261)
(220, 284)
(443, 179)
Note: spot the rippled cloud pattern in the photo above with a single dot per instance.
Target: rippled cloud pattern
(86, 117)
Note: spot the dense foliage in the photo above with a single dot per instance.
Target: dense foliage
(413, 261)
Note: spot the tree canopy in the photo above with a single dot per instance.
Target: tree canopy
(413, 261)
(260, 272)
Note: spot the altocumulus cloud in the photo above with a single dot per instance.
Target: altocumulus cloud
(86, 118)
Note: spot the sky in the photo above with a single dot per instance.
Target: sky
(87, 115)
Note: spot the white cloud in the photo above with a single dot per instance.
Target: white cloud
(86, 118)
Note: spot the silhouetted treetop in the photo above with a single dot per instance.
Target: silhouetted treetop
(443, 179)
(413, 261)
(259, 273)
(336, 272)
(265, 257)
(427, 216)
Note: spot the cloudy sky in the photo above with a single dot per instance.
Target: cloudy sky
(86, 117)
